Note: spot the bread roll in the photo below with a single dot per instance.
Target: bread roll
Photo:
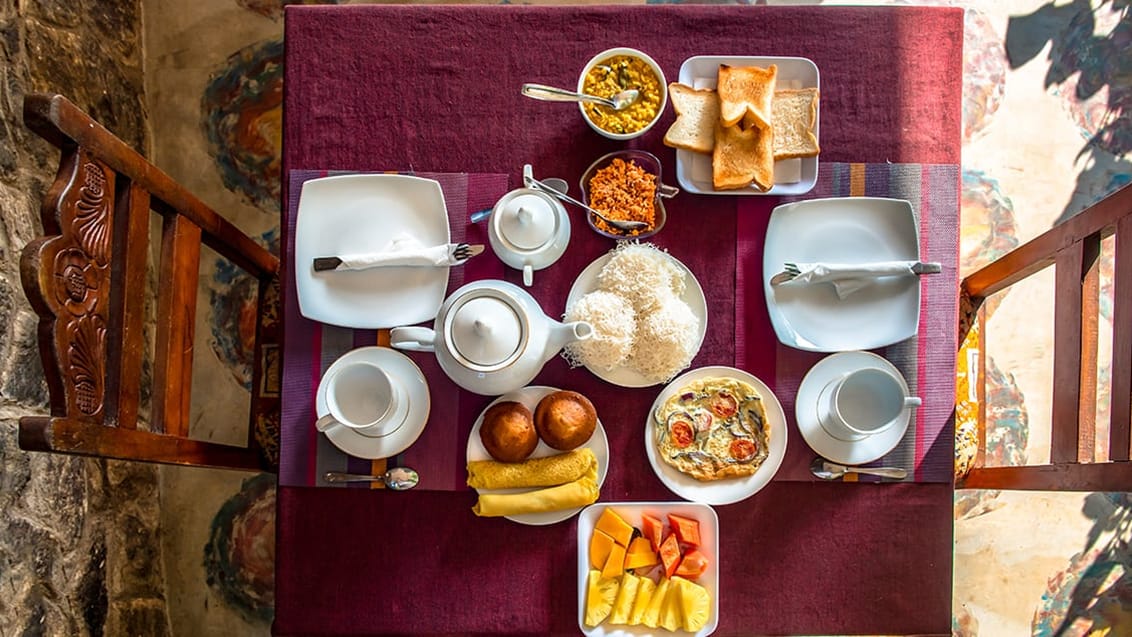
(565, 420)
(508, 432)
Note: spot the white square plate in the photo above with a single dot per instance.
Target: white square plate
(631, 512)
(842, 230)
(362, 213)
(791, 176)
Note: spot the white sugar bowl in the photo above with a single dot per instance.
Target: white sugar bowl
(528, 230)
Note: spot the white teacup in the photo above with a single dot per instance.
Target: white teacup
(863, 403)
(364, 397)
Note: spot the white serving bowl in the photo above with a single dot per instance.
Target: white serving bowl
(662, 86)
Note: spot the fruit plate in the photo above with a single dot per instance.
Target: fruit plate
(530, 396)
(631, 512)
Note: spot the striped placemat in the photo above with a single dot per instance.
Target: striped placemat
(438, 454)
(927, 360)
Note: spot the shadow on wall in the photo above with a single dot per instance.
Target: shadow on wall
(1091, 69)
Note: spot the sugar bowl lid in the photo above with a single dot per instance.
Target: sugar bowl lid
(526, 219)
(486, 331)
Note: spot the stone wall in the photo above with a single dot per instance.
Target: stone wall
(79, 538)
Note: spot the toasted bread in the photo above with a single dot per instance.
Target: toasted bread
(746, 93)
(795, 116)
(741, 157)
(697, 111)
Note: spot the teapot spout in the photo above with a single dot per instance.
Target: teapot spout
(562, 334)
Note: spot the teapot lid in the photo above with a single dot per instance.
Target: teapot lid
(486, 331)
(528, 220)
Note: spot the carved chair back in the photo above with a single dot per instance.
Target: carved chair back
(86, 279)
(1073, 248)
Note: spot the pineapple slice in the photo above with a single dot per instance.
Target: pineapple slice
(624, 603)
(641, 602)
(695, 604)
(670, 612)
(600, 593)
(651, 618)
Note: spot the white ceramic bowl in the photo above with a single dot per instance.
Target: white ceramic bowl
(662, 85)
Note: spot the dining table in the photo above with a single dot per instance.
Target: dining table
(434, 91)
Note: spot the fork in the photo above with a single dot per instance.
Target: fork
(791, 270)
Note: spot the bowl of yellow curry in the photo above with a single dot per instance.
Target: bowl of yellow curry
(616, 70)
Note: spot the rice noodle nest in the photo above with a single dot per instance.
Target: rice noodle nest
(614, 325)
(642, 274)
(667, 339)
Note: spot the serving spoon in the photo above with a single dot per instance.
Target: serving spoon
(531, 182)
(827, 470)
(396, 479)
(551, 94)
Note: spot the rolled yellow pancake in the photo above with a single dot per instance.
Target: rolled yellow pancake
(571, 495)
(535, 472)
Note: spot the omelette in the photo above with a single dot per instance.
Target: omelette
(713, 428)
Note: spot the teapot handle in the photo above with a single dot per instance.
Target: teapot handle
(413, 339)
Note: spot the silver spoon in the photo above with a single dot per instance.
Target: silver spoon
(531, 182)
(552, 94)
(827, 470)
(397, 478)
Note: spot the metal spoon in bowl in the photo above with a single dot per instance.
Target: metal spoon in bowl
(531, 182)
(552, 94)
(827, 470)
(396, 479)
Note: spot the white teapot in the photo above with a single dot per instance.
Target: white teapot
(491, 337)
(528, 229)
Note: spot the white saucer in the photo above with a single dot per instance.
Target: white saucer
(529, 397)
(403, 370)
(359, 213)
(625, 376)
(842, 230)
(806, 411)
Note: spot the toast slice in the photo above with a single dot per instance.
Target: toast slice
(697, 111)
(795, 113)
(746, 93)
(742, 157)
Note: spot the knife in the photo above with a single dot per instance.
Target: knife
(460, 253)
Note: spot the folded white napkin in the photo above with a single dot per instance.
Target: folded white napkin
(847, 278)
(402, 250)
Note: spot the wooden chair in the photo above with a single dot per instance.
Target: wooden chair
(86, 279)
(1072, 247)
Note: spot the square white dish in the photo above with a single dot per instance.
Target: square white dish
(631, 512)
(792, 176)
(361, 213)
(842, 230)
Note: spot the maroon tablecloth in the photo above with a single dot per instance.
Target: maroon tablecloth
(436, 89)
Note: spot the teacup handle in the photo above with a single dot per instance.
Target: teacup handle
(913, 401)
(413, 339)
(326, 422)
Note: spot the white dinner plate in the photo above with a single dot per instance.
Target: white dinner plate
(842, 230)
(625, 376)
(791, 176)
(404, 371)
(361, 213)
(631, 512)
(530, 396)
(806, 411)
(728, 490)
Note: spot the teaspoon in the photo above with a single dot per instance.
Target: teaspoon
(552, 94)
(397, 478)
(827, 470)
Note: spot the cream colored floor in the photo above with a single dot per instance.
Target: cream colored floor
(1006, 552)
